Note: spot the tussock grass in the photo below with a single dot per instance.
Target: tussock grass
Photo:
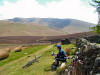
(14, 56)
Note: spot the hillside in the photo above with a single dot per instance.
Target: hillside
(14, 63)
(77, 26)
(26, 29)
(67, 25)
(42, 39)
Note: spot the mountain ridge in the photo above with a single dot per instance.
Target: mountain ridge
(67, 25)
(42, 27)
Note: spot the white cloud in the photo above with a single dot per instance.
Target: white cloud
(63, 9)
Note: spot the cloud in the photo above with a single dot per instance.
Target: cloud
(2, 1)
(63, 9)
(44, 2)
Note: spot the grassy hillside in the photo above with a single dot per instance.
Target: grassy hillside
(77, 26)
(21, 29)
(14, 56)
(39, 68)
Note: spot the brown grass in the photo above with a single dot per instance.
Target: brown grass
(4, 53)
(24, 48)
(67, 50)
(21, 29)
(17, 49)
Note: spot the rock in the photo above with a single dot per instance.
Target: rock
(88, 55)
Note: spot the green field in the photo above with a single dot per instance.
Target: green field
(14, 63)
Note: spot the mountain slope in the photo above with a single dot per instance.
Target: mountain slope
(20, 29)
(77, 26)
(67, 25)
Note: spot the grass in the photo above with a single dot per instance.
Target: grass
(39, 68)
(71, 52)
(7, 45)
(98, 43)
(14, 56)
(11, 46)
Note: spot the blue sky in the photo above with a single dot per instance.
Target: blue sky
(76, 9)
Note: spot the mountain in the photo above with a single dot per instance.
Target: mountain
(8, 28)
(66, 25)
(77, 26)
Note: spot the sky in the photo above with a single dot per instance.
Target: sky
(75, 9)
